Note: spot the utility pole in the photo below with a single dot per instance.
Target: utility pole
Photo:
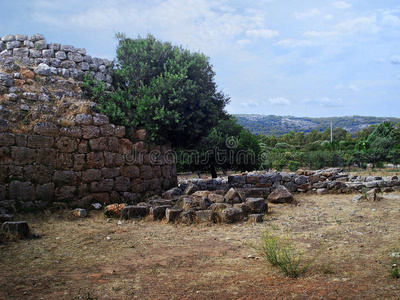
(331, 133)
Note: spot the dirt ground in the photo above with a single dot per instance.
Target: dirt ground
(96, 258)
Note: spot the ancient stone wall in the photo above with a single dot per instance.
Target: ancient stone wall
(54, 58)
(54, 148)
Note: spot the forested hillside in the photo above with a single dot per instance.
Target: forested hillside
(278, 125)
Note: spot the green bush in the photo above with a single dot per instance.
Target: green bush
(279, 164)
(293, 165)
(283, 255)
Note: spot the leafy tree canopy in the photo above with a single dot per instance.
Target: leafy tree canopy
(165, 89)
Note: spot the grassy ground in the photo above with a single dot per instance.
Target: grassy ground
(96, 258)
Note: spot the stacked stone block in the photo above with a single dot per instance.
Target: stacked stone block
(87, 161)
(54, 58)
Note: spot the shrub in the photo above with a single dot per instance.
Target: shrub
(293, 165)
(279, 164)
(284, 255)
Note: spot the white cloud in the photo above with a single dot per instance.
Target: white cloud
(395, 59)
(305, 15)
(341, 5)
(391, 20)
(279, 101)
(325, 102)
(263, 33)
(249, 104)
(354, 87)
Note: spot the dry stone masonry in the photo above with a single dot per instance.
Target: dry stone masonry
(54, 149)
(52, 59)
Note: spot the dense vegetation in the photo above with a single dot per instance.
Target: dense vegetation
(374, 145)
(279, 125)
(165, 89)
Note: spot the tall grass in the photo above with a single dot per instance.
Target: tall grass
(283, 254)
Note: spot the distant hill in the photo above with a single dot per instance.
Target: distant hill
(278, 125)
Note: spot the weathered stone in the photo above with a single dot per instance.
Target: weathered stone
(358, 198)
(146, 172)
(79, 213)
(245, 193)
(68, 64)
(34, 53)
(256, 218)
(46, 129)
(134, 211)
(190, 189)
(23, 155)
(159, 212)
(41, 44)
(237, 180)
(206, 216)
(91, 175)
(299, 180)
(66, 144)
(20, 229)
(173, 215)
(188, 216)
(280, 195)
(38, 174)
(322, 191)
(216, 198)
(120, 131)
(23, 191)
(7, 139)
(99, 119)
(61, 55)
(43, 69)
(122, 184)
(72, 131)
(125, 146)
(90, 132)
(13, 44)
(138, 186)
(46, 156)
(189, 203)
(8, 38)
(21, 52)
(65, 177)
(252, 179)
(65, 161)
(371, 195)
(6, 80)
(232, 196)
(105, 185)
(45, 191)
(99, 144)
(67, 48)
(113, 160)
(75, 57)
(255, 206)
(218, 207)
(232, 215)
(172, 193)
(114, 210)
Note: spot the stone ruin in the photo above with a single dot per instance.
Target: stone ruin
(54, 149)
(246, 197)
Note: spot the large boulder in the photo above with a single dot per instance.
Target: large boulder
(134, 211)
(280, 195)
(190, 188)
(232, 196)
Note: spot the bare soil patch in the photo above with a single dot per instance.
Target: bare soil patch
(96, 258)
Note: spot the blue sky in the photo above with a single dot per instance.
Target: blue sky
(282, 57)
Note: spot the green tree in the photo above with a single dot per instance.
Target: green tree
(165, 89)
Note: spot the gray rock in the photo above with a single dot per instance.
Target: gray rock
(322, 191)
(43, 69)
(206, 216)
(20, 229)
(21, 37)
(48, 53)
(232, 196)
(29, 44)
(61, 55)
(190, 188)
(134, 211)
(280, 195)
(255, 206)
(216, 198)
(36, 37)
(67, 48)
(358, 198)
(8, 38)
(6, 80)
(371, 195)
(232, 215)
(158, 212)
(21, 52)
(13, 44)
(173, 215)
(172, 193)
(79, 213)
(40, 45)
(76, 57)
(55, 46)
(256, 218)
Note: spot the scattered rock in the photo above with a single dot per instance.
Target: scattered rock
(280, 195)
(19, 229)
(232, 215)
(114, 210)
(79, 213)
